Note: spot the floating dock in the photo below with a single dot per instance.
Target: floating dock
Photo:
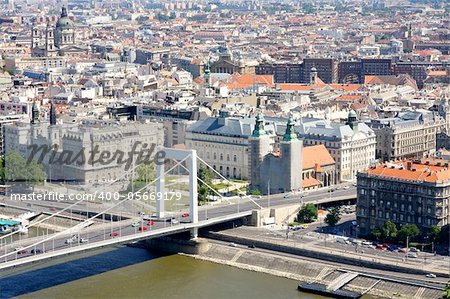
(320, 289)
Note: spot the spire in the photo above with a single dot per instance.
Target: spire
(207, 72)
(259, 127)
(52, 114)
(63, 12)
(290, 134)
(34, 114)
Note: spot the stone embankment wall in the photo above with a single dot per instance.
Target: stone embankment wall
(307, 271)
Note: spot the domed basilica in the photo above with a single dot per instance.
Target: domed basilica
(55, 40)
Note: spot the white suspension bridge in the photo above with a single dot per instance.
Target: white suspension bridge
(85, 235)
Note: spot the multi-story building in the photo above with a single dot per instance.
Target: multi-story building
(89, 153)
(352, 145)
(282, 72)
(4, 121)
(327, 69)
(355, 71)
(405, 192)
(409, 135)
(223, 142)
(416, 69)
(175, 121)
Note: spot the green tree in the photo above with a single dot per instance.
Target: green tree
(205, 177)
(435, 234)
(145, 173)
(446, 290)
(376, 234)
(18, 170)
(333, 216)
(307, 214)
(256, 192)
(408, 231)
(389, 230)
(2, 170)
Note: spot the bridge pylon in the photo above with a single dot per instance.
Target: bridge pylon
(190, 156)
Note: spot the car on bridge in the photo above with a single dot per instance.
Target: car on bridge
(150, 223)
(20, 250)
(142, 228)
(84, 240)
(185, 215)
(114, 234)
(135, 224)
(36, 251)
(173, 221)
(69, 241)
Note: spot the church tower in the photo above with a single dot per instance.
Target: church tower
(291, 154)
(53, 129)
(50, 49)
(34, 114)
(207, 75)
(313, 76)
(35, 129)
(259, 148)
(35, 41)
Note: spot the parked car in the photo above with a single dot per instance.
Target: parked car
(430, 275)
(185, 215)
(174, 221)
(286, 195)
(346, 187)
(252, 246)
(147, 217)
(232, 244)
(150, 223)
(414, 249)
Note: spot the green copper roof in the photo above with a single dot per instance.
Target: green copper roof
(290, 131)
(259, 127)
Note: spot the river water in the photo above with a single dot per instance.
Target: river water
(126, 272)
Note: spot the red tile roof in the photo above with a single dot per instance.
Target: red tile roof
(413, 170)
(316, 155)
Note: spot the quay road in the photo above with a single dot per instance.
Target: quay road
(325, 243)
(102, 232)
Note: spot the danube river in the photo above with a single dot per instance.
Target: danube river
(127, 272)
